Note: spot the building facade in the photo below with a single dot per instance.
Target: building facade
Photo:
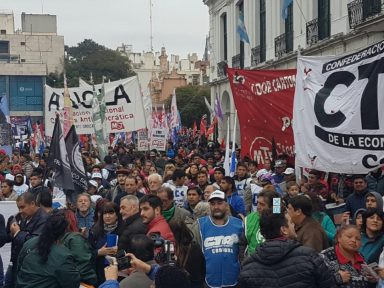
(27, 56)
(161, 73)
(277, 35)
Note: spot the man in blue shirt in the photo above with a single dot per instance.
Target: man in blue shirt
(356, 200)
(219, 236)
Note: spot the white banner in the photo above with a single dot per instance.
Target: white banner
(124, 107)
(158, 139)
(142, 140)
(338, 111)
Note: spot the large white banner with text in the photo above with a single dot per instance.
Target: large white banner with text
(338, 111)
(124, 107)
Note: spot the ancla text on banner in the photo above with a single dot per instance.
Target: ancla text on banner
(338, 111)
(264, 101)
(124, 107)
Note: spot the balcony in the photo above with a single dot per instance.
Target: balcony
(236, 61)
(283, 44)
(359, 11)
(9, 58)
(221, 69)
(312, 31)
(256, 55)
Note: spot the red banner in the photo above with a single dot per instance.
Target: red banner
(264, 103)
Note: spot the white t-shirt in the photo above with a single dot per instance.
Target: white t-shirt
(179, 193)
(255, 190)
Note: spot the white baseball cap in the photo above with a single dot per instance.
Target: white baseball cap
(9, 176)
(261, 172)
(93, 183)
(97, 175)
(217, 194)
(289, 171)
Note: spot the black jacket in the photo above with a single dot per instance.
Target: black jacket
(131, 226)
(28, 229)
(285, 264)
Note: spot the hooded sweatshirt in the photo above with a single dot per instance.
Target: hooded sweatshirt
(378, 197)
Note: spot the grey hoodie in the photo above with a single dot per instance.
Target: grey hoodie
(379, 199)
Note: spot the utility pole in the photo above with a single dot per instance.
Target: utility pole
(150, 20)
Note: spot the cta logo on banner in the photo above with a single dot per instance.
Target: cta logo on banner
(124, 107)
(158, 139)
(142, 140)
(338, 111)
(264, 101)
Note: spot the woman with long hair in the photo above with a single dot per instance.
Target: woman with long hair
(80, 249)
(106, 227)
(44, 262)
(189, 254)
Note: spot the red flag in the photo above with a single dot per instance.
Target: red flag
(194, 129)
(211, 128)
(264, 99)
(203, 124)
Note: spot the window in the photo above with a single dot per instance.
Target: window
(3, 32)
(263, 31)
(324, 19)
(289, 29)
(224, 40)
(4, 47)
(22, 43)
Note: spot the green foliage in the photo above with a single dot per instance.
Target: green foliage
(90, 58)
(190, 102)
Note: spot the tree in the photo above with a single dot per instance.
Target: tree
(90, 58)
(190, 102)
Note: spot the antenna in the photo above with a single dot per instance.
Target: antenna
(42, 6)
(150, 20)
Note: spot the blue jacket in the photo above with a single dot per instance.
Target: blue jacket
(220, 245)
(355, 201)
(237, 203)
(86, 221)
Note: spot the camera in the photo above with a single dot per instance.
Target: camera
(164, 248)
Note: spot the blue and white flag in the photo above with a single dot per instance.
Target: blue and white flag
(241, 29)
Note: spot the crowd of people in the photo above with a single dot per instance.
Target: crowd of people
(177, 219)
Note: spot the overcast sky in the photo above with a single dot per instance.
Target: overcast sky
(179, 25)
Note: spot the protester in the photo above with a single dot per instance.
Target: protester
(188, 254)
(107, 227)
(344, 259)
(43, 262)
(309, 231)
(242, 179)
(7, 193)
(154, 183)
(21, 228)
(356, 200)
(170, 211)
(150, 207)
(142, 247)
(3, 240)
(252, 233)
(84, 213)
(119, 189)
(79, 248)
(372, 236)
(218, 235)
(132, 223)
(194, 194)
(281, 261)
(227, 185)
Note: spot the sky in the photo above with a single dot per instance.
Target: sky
(179, 25)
